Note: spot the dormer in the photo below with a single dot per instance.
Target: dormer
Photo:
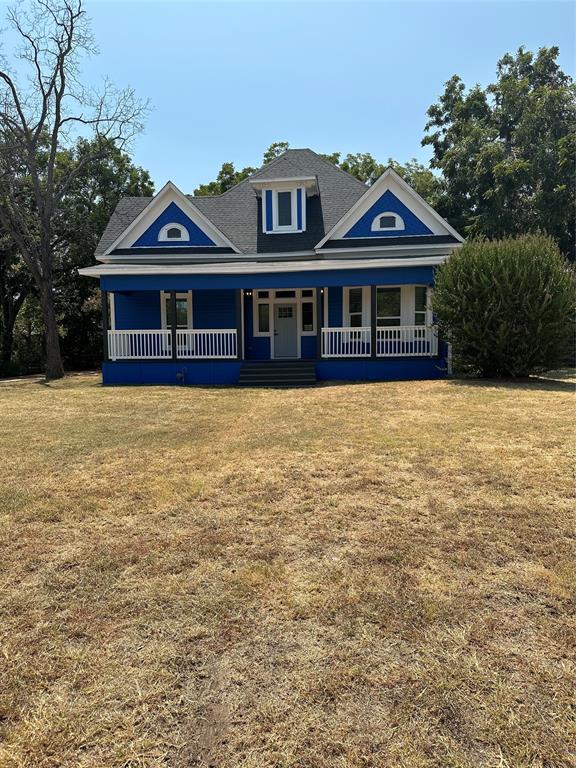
(284, 203)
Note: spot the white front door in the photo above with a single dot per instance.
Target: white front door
(285, 331)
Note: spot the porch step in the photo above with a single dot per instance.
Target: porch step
(277, 373)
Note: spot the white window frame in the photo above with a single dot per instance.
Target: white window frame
(408, 303)
(180, 295)
(276, 228)
(184, 234)
(398, 226)
(272, 299)
(365, 305)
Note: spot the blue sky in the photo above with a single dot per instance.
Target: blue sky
(227, 79)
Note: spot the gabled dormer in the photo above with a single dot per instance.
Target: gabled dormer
(284, 203)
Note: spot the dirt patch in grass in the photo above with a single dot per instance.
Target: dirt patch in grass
(356, 575)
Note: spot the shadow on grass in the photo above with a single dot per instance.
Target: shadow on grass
(532, 383)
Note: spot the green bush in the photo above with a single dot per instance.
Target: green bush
(507, 307)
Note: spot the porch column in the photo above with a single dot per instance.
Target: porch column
(104, 300)
(239, 325)
(173, 325)
(373, 312)
(318, 323)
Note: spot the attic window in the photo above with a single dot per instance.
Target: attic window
(174, 233)
(387, 221)
(284, 210)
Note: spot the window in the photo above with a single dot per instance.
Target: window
(262, 294)
(285, 294)
(284, 209)
(355, 307)
(183, 310)
(263, 318)
(386, 222)
(173, 233)
(388, 306)
(420, 304)
(307, 316)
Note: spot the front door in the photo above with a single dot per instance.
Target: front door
(285, 330)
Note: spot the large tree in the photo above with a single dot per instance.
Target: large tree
(507, 151)
(40, 114)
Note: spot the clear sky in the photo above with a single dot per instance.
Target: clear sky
(226, 79)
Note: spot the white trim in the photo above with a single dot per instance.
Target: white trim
(326, 313)
(387, 250)
(179, 295)
(184, 234)
(112, 310)
(310, 183)
(170, 190)
(398, 222)
(363, 204)
(255, 268)
(278, 229)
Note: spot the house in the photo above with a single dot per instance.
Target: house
(300, 272)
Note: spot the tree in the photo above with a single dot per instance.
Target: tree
(507, 307)
(36, 123)
(507, 152)
(86, 209)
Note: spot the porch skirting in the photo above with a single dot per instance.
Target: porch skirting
(227, 372)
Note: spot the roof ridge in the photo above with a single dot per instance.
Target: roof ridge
(337, 167)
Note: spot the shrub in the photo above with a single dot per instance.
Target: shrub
(507, 307)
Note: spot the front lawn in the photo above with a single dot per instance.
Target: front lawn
(344, 576)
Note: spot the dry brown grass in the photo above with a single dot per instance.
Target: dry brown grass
(359, 575)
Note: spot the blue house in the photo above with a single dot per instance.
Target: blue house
(299, 273)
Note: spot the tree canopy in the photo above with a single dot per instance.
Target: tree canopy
(507, 152)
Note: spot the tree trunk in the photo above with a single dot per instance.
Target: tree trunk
(54, 367)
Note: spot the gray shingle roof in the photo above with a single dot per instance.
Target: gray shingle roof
(236, 213)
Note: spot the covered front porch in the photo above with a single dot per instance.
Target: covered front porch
(275, 324)
(353, 328)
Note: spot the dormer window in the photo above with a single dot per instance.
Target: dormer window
(174, 233)
(387, 222)
(284, 210)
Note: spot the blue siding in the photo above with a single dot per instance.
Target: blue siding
(388, 202)
(335, 307)
(208, 372)
(173, 214)
(227, 372)
(214, 309)
(268, 210)
(423, 275)
(308, 348)
(381, 370)
(137, 310)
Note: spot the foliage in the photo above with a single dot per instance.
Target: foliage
(507, 307)
(40, 112)
(507, 152)
(362, 166)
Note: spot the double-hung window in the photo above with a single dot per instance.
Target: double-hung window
(355, 307)
(388, 306)
(284, 210)
(420, 304)
(183, 310)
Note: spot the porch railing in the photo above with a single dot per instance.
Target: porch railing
(207, 343)
(346, 342)
(139, 345)
(391, 341)
(157, 344)
(406, 341)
